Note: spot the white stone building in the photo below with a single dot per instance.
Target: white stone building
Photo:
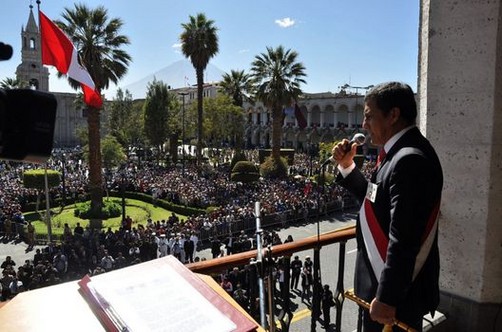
(329, 117)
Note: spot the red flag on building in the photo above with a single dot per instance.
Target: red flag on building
(302, 123)
(58, 51)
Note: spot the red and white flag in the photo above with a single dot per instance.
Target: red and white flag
(59, 51)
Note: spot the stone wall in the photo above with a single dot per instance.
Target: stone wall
(460, 88)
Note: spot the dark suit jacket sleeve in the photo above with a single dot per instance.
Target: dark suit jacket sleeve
(355, 182)
(413, 195)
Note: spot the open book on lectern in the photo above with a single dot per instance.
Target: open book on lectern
(160, 295)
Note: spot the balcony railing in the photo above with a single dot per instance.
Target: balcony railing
(285, 251)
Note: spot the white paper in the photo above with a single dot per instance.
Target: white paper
(171, 305)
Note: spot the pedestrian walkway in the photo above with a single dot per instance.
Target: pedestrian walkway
(17, 250)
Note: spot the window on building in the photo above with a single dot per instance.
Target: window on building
(34, 83)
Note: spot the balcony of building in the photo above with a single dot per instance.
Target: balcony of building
(332, 254)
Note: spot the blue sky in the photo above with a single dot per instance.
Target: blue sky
(359, 42)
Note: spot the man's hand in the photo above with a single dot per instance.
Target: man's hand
(343, 157)
(382, 313)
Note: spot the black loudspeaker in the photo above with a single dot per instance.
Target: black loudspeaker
(27, 121)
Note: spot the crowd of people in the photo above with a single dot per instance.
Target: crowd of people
(88, 251)
(198, 187)
(84, 250)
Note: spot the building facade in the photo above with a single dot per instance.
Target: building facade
(328, 116)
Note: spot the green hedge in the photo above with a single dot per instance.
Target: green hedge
(180, 209)
(35, 178)
(31, 206)
(110, 209)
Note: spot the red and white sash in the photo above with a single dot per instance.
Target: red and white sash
(376, 241)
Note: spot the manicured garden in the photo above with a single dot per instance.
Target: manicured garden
(138, 210)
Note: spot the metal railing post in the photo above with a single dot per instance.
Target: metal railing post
(271, 289)
(316, 289)
(253, 288)
(286, 315)
(339, 299)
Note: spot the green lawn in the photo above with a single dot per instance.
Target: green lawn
(139, 211)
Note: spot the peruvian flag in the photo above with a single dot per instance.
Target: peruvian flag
(58, 51)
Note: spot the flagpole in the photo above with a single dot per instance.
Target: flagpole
(46, 184)
(47, 207)
(40, 36)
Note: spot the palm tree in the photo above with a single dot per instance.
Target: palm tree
(277, 77)
(12, 83)
(237, 85)
(199, 42)
(98, 41)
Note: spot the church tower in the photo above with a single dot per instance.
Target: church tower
(31, 69)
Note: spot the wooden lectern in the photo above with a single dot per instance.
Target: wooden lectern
(64, 308)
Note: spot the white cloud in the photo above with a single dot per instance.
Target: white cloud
(244, 51)
(177, 48)
(285, 22)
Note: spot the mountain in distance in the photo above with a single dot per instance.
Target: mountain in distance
(177, 75)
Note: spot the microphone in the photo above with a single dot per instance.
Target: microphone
(358, 138)
(5, 51)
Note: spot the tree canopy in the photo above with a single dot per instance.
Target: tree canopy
(156, 113)
(199, 43)
(277, 76)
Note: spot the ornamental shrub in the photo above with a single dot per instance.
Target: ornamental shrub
(238, 156)
(110, 209)
(274, 168)
(245, 172)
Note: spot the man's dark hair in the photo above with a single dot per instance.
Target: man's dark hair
(394, 94)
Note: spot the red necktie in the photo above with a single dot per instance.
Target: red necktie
(381, 156)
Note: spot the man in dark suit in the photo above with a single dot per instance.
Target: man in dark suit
(189, 249)
(397, 266)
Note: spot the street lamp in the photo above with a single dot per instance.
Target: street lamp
(63, 169)
(183, 94)
(313, 150)
(122, 187)
(347, 86)
(47, 207)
